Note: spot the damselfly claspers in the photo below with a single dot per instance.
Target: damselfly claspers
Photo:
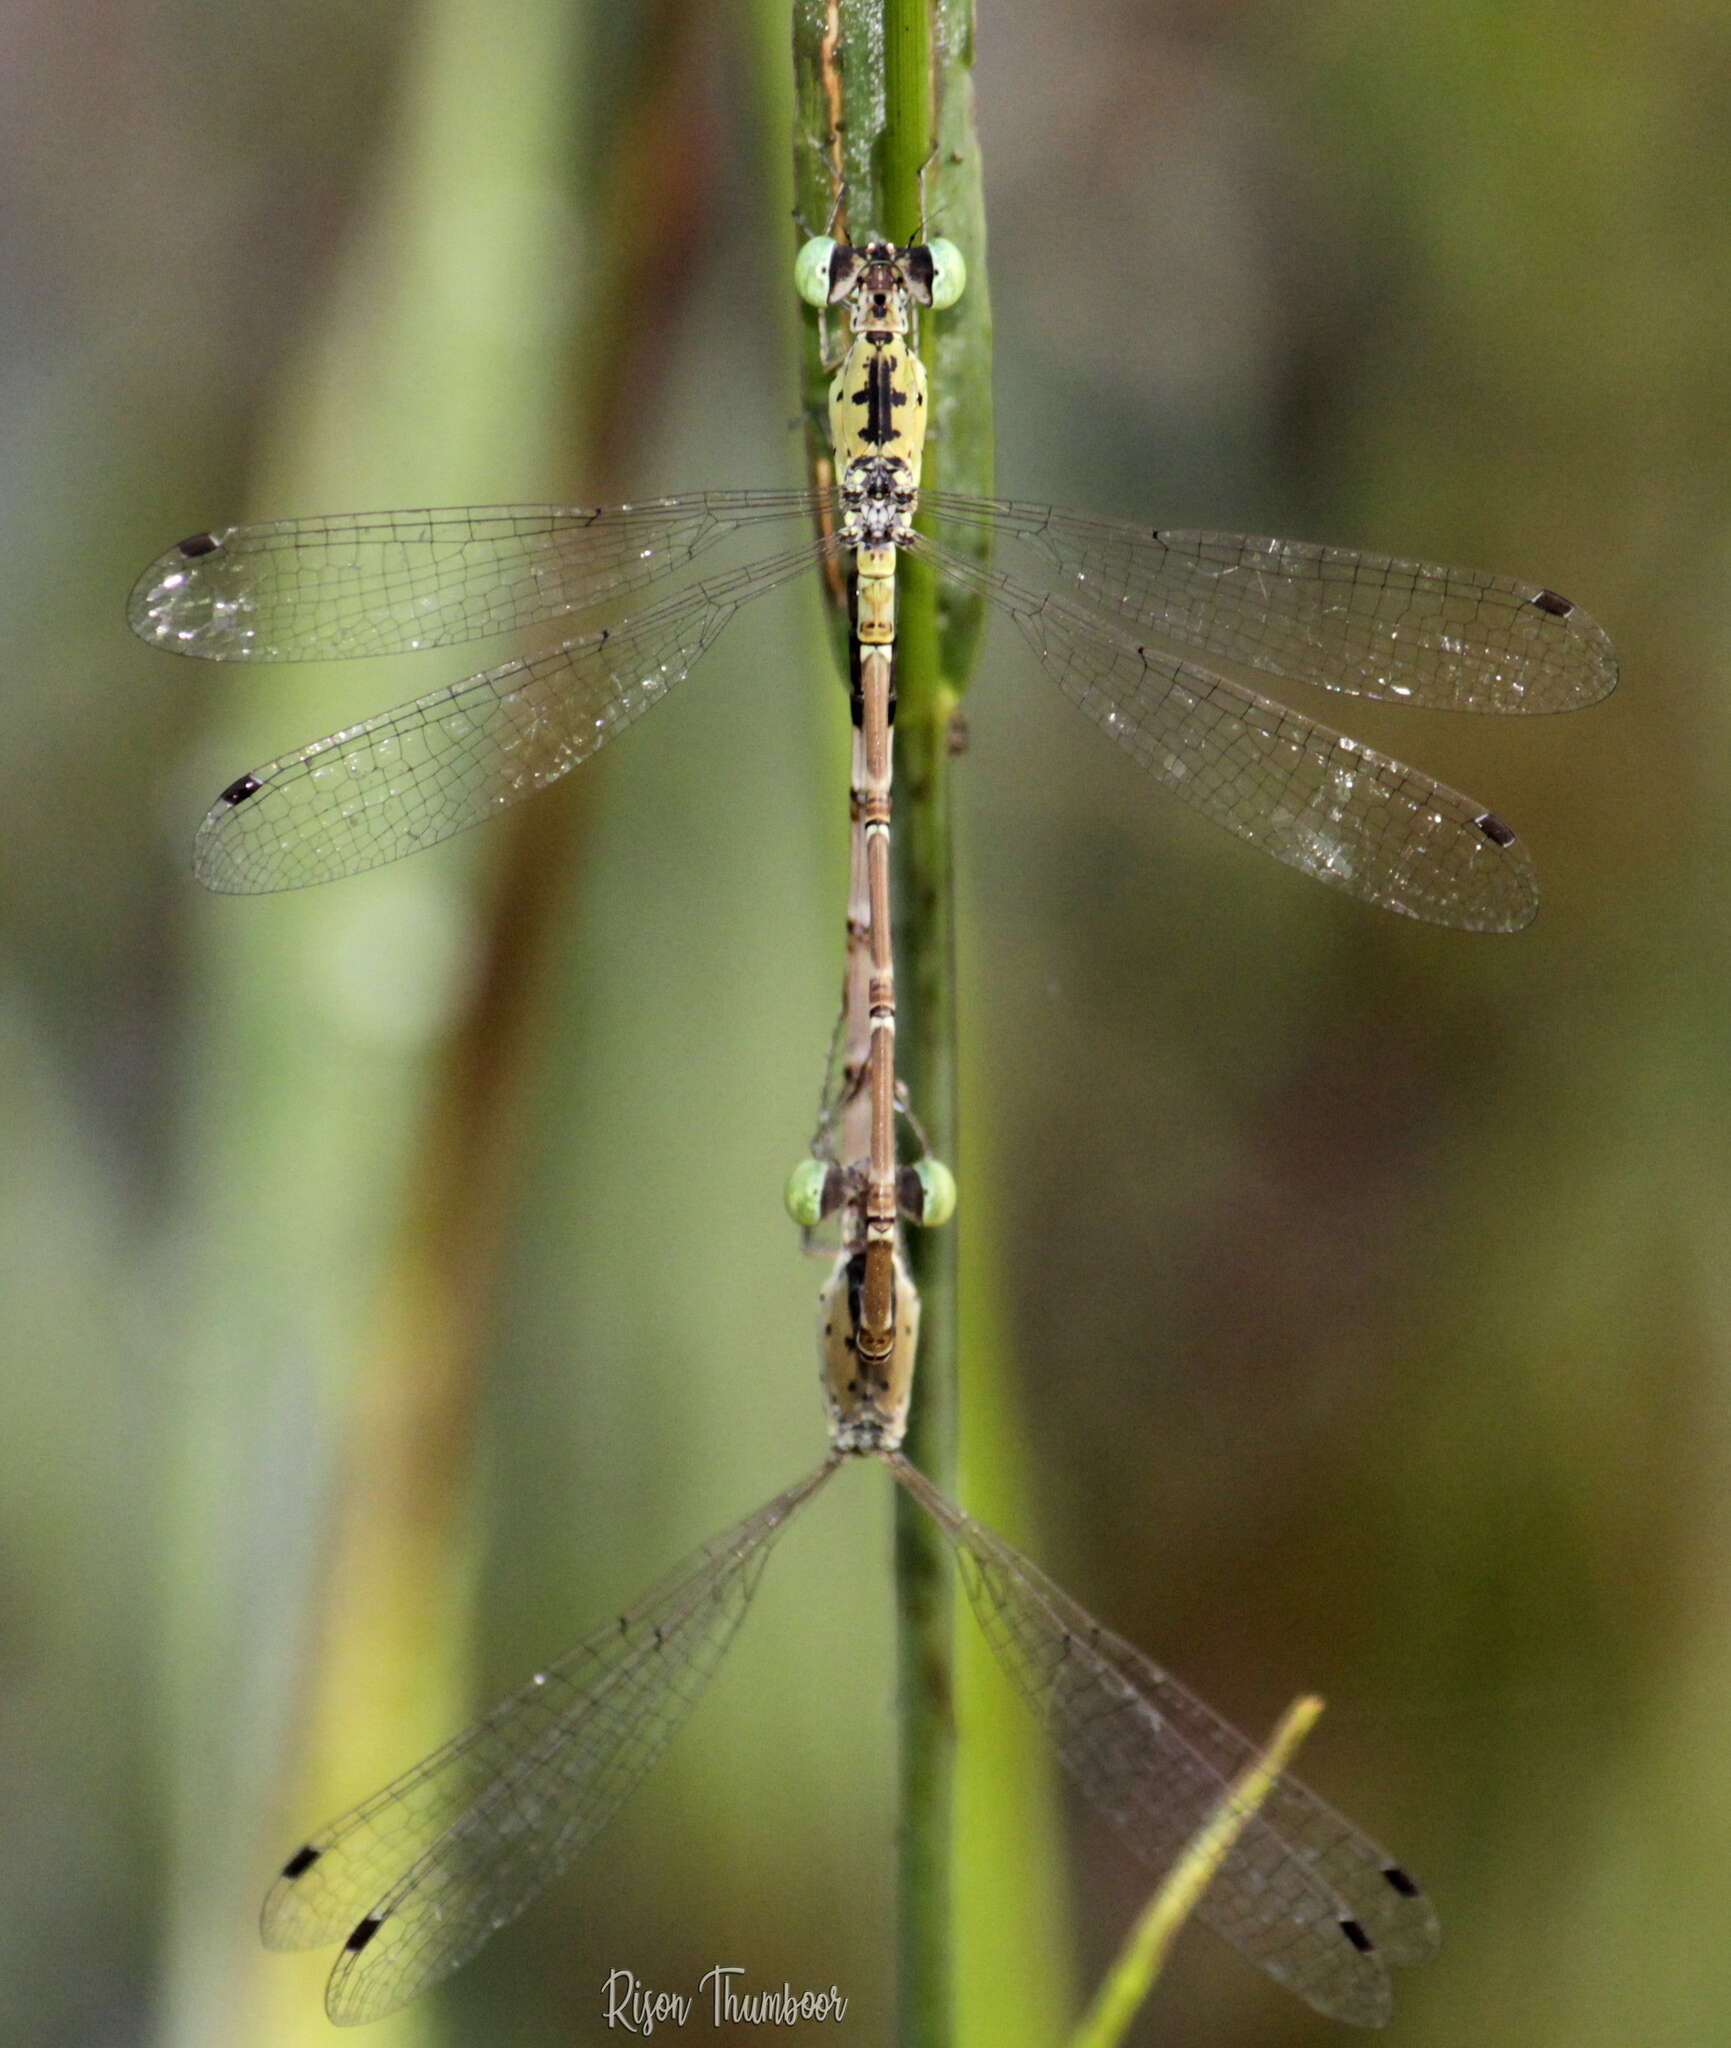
(1137, 626)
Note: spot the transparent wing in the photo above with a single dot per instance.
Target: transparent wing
(1415, 632)
(1310, 797)
(1302, 1893)
(414, 1880)
(1384, 1898)
(390, 582)
(411, 777)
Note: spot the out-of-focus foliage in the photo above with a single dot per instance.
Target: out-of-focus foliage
(1358, 1286)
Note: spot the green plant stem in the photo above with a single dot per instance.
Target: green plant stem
(925, 956)
(910, 129)
(878, 85)
(925, 1609)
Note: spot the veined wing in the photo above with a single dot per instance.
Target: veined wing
(1321, 803)
(411, 777)
(1413, 632)
(415, 1879)
(1385, 1899)
(1127, 1733)
(390, 582)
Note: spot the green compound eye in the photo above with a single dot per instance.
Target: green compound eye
(949, 273)
(811, 269)
(804, 1193)
(937, 1185)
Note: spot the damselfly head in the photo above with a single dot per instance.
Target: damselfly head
(879, 280)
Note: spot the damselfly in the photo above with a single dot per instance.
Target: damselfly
(1138, 627)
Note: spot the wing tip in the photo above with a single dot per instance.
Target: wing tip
(186, 602)
(277, 1920)
(1592, 667)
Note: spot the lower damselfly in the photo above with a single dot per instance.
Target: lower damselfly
(1140, 627)
(414, 1880)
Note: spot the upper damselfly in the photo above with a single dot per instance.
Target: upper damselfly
(1140, 627)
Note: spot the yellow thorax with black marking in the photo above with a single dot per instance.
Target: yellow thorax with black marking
(877, 401)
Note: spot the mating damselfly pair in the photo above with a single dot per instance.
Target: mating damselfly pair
(1128, 622)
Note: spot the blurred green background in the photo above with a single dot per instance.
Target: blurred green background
(394, 1277)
